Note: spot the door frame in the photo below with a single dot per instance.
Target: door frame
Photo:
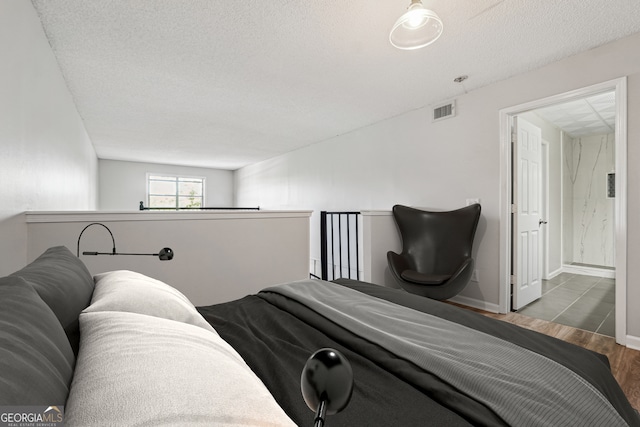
(619, 86)
(545, 208)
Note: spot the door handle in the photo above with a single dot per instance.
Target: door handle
(541, 222)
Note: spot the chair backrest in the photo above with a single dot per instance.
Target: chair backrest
(436, 242)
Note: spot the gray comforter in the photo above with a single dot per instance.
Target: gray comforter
(523, 387)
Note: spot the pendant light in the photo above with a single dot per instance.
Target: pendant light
(418, 27)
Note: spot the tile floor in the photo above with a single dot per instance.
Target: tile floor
(584, 302)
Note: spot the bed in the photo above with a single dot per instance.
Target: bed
(122, 348)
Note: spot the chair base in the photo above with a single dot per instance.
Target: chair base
(439, 292)
(444, 291)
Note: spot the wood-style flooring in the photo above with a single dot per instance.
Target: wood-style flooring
(625, 363)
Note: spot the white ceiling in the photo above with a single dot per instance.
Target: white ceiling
(223, 84)
(589, 116)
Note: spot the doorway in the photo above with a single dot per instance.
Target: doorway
(507, 119)
(576, 215)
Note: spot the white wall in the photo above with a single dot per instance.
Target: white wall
(376, 167)
(47, 161)
(123, 185)
(410, 160)
(219, 256)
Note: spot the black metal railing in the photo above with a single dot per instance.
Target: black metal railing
(145, 208)
(339, 245)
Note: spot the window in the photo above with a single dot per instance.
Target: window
(175, 191)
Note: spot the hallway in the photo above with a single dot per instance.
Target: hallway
(583, 302)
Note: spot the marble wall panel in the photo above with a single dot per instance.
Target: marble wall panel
(588, 160)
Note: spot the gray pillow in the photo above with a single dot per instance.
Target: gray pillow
(64, 284)
(36, 360)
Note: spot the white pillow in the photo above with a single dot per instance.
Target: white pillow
(135, 369)
(133, 292)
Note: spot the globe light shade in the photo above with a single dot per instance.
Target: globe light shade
(418, 27)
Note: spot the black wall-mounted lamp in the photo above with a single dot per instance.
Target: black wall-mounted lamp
(326, 383)
(165, 254)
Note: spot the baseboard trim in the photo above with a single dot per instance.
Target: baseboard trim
(476, 303)
(633, 342)
(589, 271)
(554, 273)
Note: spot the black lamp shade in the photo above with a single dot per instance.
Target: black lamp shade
(165, 254)
(327, 377)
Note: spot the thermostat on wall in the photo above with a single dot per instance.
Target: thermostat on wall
(611, 185)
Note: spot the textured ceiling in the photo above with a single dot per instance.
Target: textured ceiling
(227, 83)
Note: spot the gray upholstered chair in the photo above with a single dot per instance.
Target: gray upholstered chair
(436, 257)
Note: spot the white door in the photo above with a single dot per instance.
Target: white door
(527, 245)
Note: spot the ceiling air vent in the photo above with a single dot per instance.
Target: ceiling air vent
(444, 111)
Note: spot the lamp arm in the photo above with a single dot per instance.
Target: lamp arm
(320, 414)
(165, 254)
(124, 253)
(113, 252)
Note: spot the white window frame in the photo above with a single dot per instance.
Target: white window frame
(178, 177)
